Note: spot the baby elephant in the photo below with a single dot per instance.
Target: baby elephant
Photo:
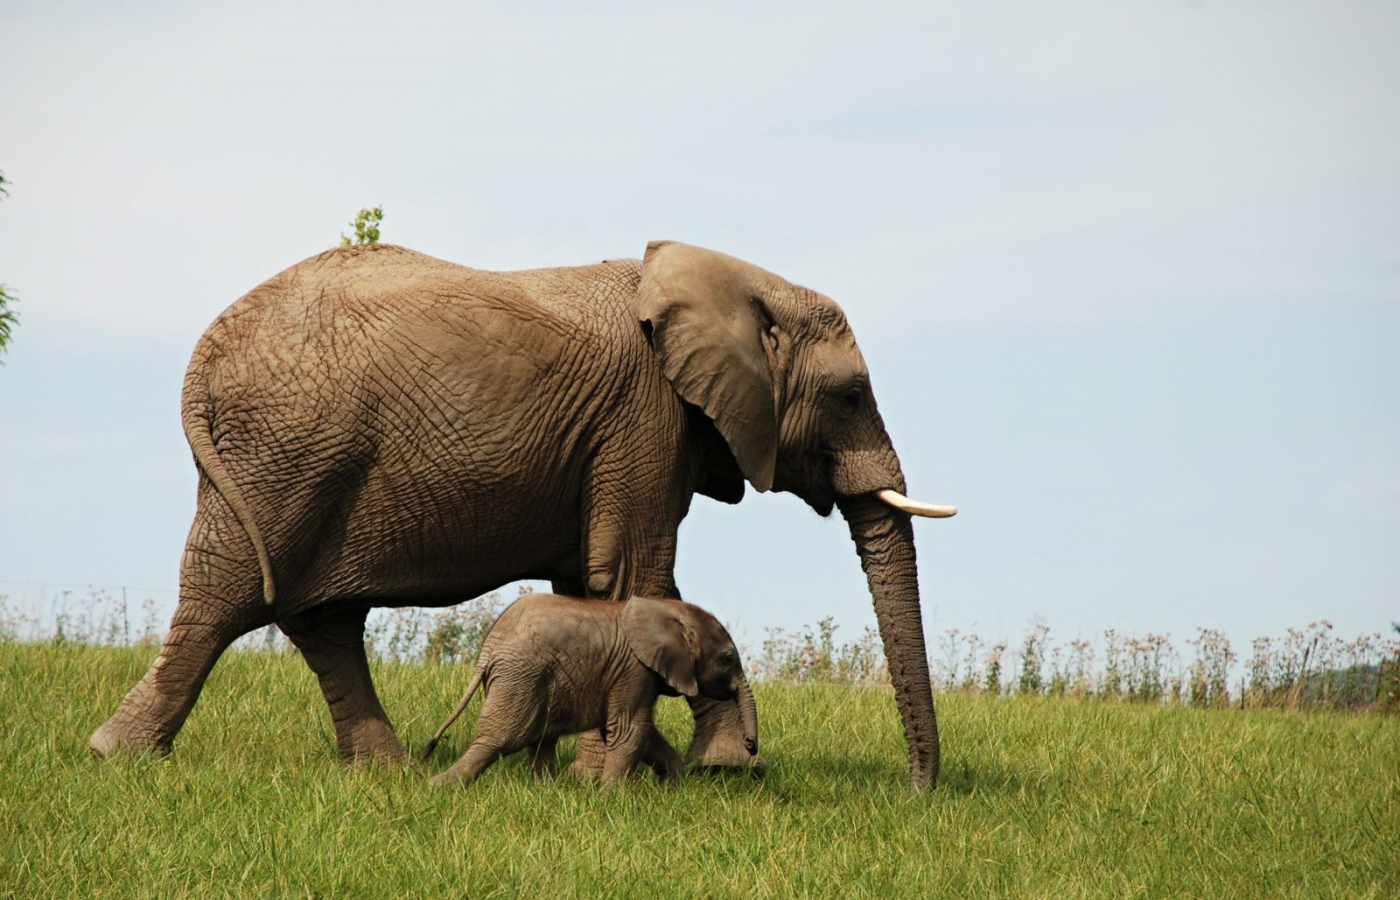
(555, 665)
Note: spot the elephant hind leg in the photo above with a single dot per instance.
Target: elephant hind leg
(221, 599)
(332, 642)
(483, 751)
(153, 712)
(544, 761)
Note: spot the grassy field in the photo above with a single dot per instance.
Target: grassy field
(1039, 797)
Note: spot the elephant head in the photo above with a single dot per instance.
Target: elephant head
(776, 368)
(692, 652)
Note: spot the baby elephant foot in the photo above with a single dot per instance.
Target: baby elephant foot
(464, 771)
(589, 758)
(479, 756)
(448, 779)
(668, 775)
(663, 759)
(580, 770)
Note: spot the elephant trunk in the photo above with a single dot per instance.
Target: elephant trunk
(748, 715)
(884, 538)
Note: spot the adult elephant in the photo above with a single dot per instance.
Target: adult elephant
(376, 427)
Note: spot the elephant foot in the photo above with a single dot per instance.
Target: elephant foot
(113, 739)
(580, 770)
(371, 740)
(718, 743)
(448, 779)
(591, 754)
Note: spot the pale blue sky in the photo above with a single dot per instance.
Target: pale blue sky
(1127, 275)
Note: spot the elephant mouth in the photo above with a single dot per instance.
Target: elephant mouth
(817, 492)
(814, 481)
(822, 494)
(825, 502)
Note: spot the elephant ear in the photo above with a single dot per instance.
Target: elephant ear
(714, 338)
(661, 636)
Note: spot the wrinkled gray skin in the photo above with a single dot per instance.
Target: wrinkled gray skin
(376, 427)
(555, 665)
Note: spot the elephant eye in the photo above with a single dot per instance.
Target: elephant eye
(850, 400)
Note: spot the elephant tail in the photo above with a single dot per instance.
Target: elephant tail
(197, 418)
(477, 678)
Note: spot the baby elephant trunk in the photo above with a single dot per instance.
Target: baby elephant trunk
(748, 715)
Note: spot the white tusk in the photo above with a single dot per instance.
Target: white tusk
(914, 507)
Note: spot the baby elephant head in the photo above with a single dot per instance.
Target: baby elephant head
(693, 654)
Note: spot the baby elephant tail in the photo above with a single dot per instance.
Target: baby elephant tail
(429, 747)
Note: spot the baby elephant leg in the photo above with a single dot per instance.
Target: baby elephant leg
(482, 753)
(544, 762)
(588, 760)
(663, 758)
(628, 746)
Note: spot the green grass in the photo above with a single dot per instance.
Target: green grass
(1039, 797)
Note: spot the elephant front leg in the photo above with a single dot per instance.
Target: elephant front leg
(663, 758)
(333, 644)
(627, 747)
(588, 760)
(718, 742)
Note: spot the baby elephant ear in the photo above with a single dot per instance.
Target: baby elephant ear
(662, 638)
